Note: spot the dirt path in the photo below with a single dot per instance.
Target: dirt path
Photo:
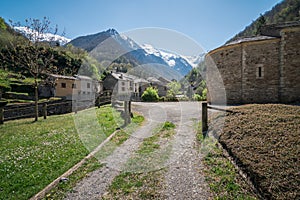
(183, 179)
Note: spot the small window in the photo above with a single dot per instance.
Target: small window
(123, 89)
(123, 83)
(259, 72)
(63, 85)
(88, 85)
(73, 85)
(83, 92)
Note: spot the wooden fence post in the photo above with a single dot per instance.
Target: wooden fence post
(1, 115)
(45, 110)
(129, 107)
(75, 106)
(127, 112)
(204, 119)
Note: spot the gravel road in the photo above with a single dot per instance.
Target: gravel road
(184, 178)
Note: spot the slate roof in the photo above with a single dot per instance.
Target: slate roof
(62, 76)
(249, 39)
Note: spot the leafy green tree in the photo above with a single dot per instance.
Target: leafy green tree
(204, 94)
(174, 89)
(150, 95)
(33, 56)
(2, 24)
(197, 97)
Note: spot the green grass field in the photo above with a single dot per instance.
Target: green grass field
(32, 155)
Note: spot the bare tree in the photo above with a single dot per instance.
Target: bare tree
(34, 56)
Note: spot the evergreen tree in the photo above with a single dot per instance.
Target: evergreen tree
(260, 23)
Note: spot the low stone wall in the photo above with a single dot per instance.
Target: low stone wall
(8, 95)
(18, 111)
(27, 110)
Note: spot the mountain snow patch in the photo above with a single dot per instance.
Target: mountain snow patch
(171, 63)
(48, 37)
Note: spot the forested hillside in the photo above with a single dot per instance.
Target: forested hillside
(286, 11)
(63, 60)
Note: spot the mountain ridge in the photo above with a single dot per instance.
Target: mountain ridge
(285, 11)
(129, 51)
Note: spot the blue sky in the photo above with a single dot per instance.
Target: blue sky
(209, 22)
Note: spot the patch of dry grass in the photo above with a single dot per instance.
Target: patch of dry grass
(265, 140)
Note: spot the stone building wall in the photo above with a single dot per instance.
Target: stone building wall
(228, 62)
(259, 70)
(263, 56)
(290, 65)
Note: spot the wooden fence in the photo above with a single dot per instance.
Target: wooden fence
(12, 112)
(205, 108)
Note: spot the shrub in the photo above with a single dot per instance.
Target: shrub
(4, 87)
(204, 94)
(150, 95)
(197, 97)
(162, 99)
(183, 98)
(168, 125)
(171, 99)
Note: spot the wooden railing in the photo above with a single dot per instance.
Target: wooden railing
(205, 108)
(49, 108)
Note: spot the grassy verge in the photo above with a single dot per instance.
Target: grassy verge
(63, 187)
(92, 164)
(220, 174)
(143, 184)
(264, 139)
(34, 154)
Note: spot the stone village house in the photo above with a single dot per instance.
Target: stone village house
(263, 69)
(85, 88)
(122, 84)
(71, 87)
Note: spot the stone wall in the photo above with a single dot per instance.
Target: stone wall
(261, 88)
(27, 110)
(224, 64)
(290, 65)
(262, 70)
(18, 111)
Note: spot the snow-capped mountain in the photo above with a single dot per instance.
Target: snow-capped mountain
(48, 37)
(175, 61)
(194, 60)
(108, 45)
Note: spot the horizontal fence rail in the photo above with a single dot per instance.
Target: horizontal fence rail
(205, 108)
(19, 111)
